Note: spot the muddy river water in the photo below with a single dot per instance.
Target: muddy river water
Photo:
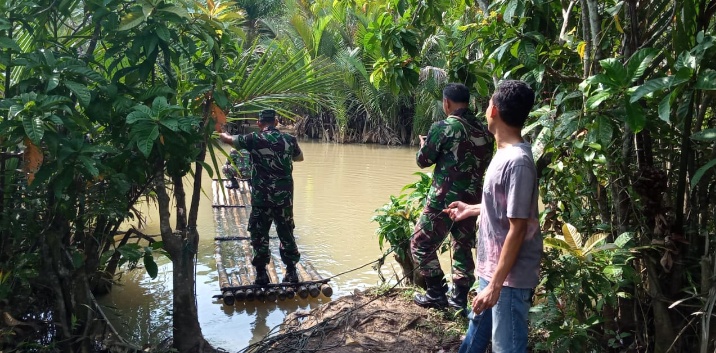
(337, 189)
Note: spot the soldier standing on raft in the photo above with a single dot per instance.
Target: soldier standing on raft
(272, 155)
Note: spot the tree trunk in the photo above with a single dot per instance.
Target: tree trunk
(596, 32)
(182, 247)
(586, 33)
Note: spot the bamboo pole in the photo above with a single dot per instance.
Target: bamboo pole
(233, 198)
(239, 294)
(222, 192)
(248, 270)
(325, 287)
(280, 291)
(273, 275)
(214, 192)
(272, 291)
(227, 296)
(312, 287)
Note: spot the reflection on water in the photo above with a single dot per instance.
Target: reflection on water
(337, 189)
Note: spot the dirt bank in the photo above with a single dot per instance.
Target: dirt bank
(370, 321)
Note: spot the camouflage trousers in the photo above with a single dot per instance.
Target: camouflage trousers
(259, 225)
(431, 229)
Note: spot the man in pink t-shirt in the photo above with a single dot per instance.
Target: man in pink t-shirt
(509, 241)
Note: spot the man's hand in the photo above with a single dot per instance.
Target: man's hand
(423, 139)
(458, 210)
(487, 298)
(226, 138)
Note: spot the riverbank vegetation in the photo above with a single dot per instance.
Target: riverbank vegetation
(108, 102)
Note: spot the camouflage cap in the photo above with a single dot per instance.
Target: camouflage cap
(267, 115)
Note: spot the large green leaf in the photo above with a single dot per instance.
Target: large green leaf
(651, 86)
(33, 128)
(594, 101)
(137, 115)
(81, 92)
(150, 265)
(604, 130)
(7, 43)
(145, 136)
(132, 19)
(170, 8)
(639, 62)
(706, 80)
(615, 70)
(700, 173)
(85, 72)
(665, 108)
(707, 135)
(635, 117)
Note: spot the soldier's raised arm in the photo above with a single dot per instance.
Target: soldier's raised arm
(297, 153)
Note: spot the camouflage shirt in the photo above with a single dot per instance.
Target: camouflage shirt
(460, 147)
(272, 154)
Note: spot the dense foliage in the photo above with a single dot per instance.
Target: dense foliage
(104, 102)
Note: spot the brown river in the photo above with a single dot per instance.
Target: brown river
(337, 189)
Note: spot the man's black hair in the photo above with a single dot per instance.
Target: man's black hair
(456, 92)
(514, 100)
(267, 116)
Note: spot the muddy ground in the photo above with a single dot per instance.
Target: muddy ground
(369, 321)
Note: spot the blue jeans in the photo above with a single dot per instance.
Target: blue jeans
(505, 323)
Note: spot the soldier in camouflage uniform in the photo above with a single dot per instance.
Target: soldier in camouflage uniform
(237, 167)
(272, 155)
(460, 147)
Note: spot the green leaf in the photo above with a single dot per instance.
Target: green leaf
(52, 82)
(81, 92)
(594, 101)
(132, 19)
(604, 130)
(510, 11)
(84, 72)
(163, 33)
(208, 168)
(639, 62)
(706, 80)
(89, 165)
(624, 238)
(159, 105)
(665, 108)
(150, 265)
(137, 115)
(615, 70)
(526, 54)
(651, 86)
(635, 118)
(33, 128)
(707, 135)
(181, 12)
(8, 43)
(146, 136)
(170, 123)
(700, 173)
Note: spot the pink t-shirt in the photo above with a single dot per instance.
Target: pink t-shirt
(510, 191)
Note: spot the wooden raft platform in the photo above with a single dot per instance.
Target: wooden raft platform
(233, 255)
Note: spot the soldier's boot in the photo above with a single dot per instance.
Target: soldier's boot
(434, 296)
(291, 275)
(233, 183)
(262, 277)
(458, 299)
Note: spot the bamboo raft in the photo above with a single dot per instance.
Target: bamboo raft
(233, 255)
